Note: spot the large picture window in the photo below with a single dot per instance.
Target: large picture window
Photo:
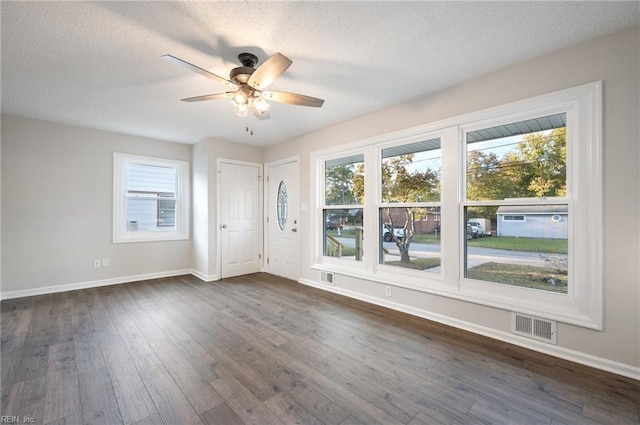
(409, 210)
(151, 199)
(343, 225)
(501, 207)
(513, 171)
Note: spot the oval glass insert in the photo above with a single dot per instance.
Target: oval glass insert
(282, 206)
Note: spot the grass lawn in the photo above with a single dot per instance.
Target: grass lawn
(520, 275)
(344, 233)
(550, 246)
(416, 263)
(427, 238)
(348, 251)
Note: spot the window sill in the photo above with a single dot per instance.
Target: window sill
(563, 311)
(149, 237)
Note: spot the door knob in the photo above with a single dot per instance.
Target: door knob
(294, 230)
(224, 226)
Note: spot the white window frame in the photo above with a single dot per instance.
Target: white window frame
(583, 305)
(413, 276)
(121, 234)
(337, 263)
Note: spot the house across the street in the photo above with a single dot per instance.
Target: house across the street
(533, 221)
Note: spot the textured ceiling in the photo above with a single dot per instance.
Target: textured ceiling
(98, 65)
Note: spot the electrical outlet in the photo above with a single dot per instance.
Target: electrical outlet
(97, 264)
(387, 291)
(106, 262)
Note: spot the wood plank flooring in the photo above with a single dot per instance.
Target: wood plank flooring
(259, 349)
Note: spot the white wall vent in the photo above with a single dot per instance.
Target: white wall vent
(533, 327)
(326, 277)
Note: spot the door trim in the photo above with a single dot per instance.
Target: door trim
(218, 234)
(295, 159)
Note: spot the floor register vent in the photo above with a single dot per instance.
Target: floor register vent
(327, 277)
(533, 327)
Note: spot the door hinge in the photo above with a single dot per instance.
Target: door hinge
(267, 219)
(267, 260)
(259, 256)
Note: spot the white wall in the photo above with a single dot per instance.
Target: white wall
(57, 208)
(203, 205)
(57, 191)
(613, 59)
(205, 232)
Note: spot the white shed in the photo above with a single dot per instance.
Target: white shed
(533, 221)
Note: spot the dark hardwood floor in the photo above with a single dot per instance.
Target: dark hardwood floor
(258, 349)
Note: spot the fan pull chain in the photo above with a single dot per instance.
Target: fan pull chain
(248, 130)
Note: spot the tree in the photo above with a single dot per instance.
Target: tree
(401, 185)
(339, 185)
(486, 180)
(486, 177)
(536, 168)
(358, 183)
(544, 159)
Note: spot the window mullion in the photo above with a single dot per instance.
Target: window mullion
(450, 224)
(372, 183)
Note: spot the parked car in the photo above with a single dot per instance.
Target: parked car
(333, 225)
(475, 229)
(388, 233)
(469, 232)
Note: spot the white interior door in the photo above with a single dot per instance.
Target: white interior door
(240, 219)
(282, 219)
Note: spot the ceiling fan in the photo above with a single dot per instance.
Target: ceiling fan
(249, 83)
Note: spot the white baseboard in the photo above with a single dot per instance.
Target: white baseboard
(552, 350)
(205, 277)
(5, 295)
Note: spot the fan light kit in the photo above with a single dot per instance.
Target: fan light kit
(249, 83)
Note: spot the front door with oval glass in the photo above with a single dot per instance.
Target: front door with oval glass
(282, 206)
(282, 220)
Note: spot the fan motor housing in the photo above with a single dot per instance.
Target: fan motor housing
(248, 59)
(241, 74)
